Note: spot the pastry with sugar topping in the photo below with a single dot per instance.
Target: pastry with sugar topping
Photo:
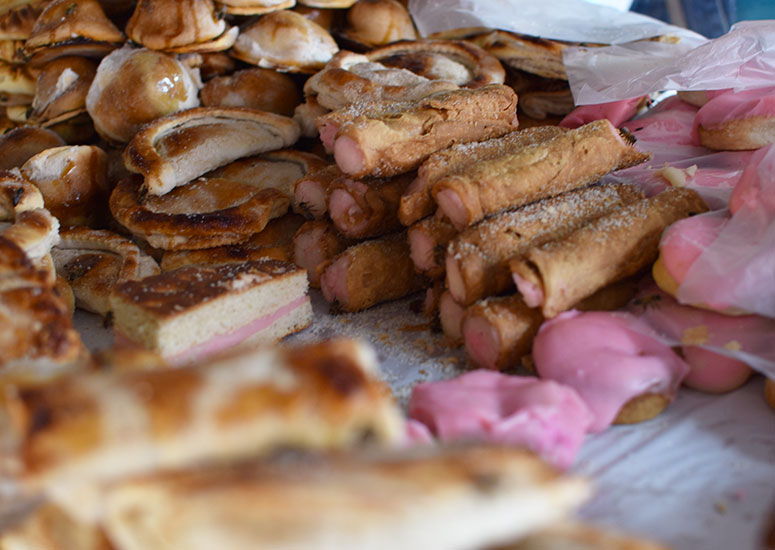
(196, 311)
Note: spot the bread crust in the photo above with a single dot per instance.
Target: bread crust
(740, 134)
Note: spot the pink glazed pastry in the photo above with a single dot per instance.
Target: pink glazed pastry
(737, 120)
(613, 360)
(713, 372)
(544, 416)
(617, 112)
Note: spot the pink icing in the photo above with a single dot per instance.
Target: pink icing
(756, 188)
(608, 358)
(713, 372)
(532, 293)
(225, 341)
(418, 433)
(546, 417)
(669, 122)
(616, 111)
(731, 105)
(684, 241)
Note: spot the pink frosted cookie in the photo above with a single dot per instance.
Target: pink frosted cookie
(712, 372)
(613, 360)
(737, 120)
(617, 112)
(544, 416)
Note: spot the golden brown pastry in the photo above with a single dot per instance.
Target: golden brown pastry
(175, 149)
(430, 498)
(95, 261)
(71, 27)
(136, 86)
(262, 89)
(286, 41)
(315, 243)
(17, 85)
(254, 7)
(73, 181)
(61, 88)
(330, 4)
(378, 22)
(180, 26)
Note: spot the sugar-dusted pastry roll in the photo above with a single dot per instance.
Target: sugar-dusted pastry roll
(429, 497)
(370, 273)
(315, 243)
(498, 332)
(567, 161)
(367, 207)
(417, 202)
(556, 275)
(451, 317)
(310, 193)
(477, 259)
(428, 241)
(100, 427)
(401, 137)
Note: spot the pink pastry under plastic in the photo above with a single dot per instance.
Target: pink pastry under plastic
(684, 241)
(546, 417)
(733, 105)
(617, 112)
(669, 122)
(712, 372)
(608, 358)
(756, 188)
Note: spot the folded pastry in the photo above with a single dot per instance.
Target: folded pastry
(180, 26)
(428, 240)
(310, 193)
(100, 427)
(175, 149)
(255, 88)
(73, 182)
(254, 7)
(463, 63)
(354, 78)
(370, 273)
(133, 87)
(373, 23)
(429, 498)
(539, 56)
(71, 27)
(198, 311)
(368, 207)
(61, 90)
(17, 18)
(417, 202)
(556, 275)
(315, 243)
(388, 139)
(477, 260)
(94, 261)
(327, 3)
(570, 160)
(274, 242)
(17, 85)
(287, 41)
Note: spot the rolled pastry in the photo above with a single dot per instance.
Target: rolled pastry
(314, 244)
(310, 193)
(556, 275)
(428, 241)
(401, 137)
(568, 161)
(370, 273)
(477, 259)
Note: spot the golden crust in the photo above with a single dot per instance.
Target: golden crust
(17, 84)
(539, 56)
(17, 21)
(328, 4)
(18, 145)
(465, 64)
(378, 22)
(255, 88)
(641, 408)
(286, 41)
(740, 134)
(63, 21)
(95, 261)
(175, 149)
(254, 7)
(166, 24)
(203, 214)
(61, 90)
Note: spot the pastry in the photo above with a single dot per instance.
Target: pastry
(430, 498)
(389, 139)
(451, 318)
(315, 243)
(543, 416)
(615, 362)
(713, 372)
(194, 312)
(556, 275)
(310, 193)
(617, 112)
(737, 120)
(60, 92)
(175, 149)
(477, 260)
(133, 87)
(368, 207)
(254, 7)
(262, 89)
(94, 428)
(286, 41)
(17, 85)
(369, 273)
(428, 240)
(570, 160)
(50, 527)
(18, 145)
(373, 23)
(96, 261)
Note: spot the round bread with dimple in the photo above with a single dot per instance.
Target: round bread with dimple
(254, 88)
(178, 148)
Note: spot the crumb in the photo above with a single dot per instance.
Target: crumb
(449, 360)
(733, 345)
(720, 507)
(423, 372)
(695, 336)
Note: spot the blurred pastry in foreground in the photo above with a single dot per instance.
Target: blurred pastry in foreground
(135, 86)
(180, 26)
(194, 312)
(286, 41)
(71, 27)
